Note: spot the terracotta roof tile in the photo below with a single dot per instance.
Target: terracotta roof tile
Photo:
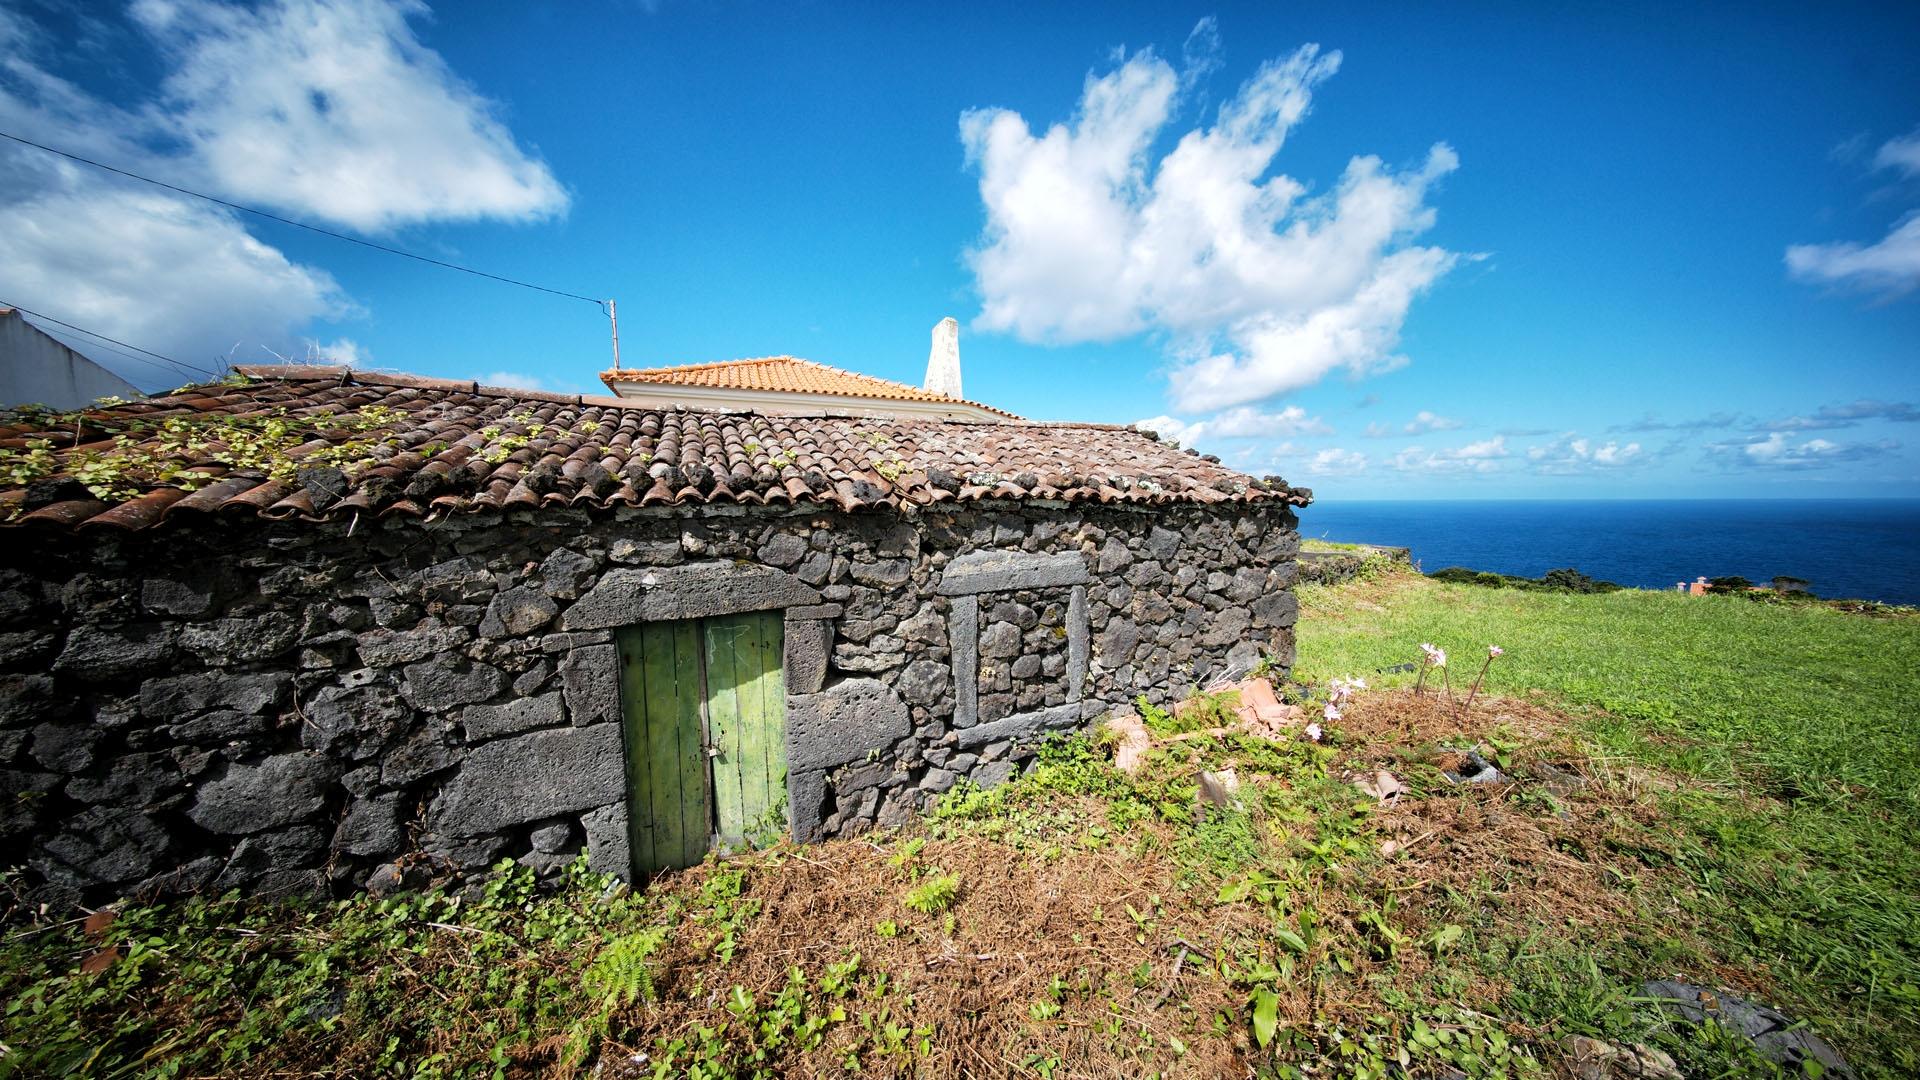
(400, 444)
(783, 374)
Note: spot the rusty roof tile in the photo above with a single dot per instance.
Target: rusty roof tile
(418, 447)
(784, 374)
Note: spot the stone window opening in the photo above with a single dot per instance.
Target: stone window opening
(993, 594)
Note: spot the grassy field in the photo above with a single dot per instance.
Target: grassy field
(1703, 788)
(1793, 731)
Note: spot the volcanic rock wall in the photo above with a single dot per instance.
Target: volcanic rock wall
(311, 708)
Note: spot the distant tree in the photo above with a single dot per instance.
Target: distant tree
(1784, 583)
(1454, 575)
(1734, 584)
(1567, 579)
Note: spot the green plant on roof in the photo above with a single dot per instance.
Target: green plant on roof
(22, 467)
(503, 446)
(181, 450)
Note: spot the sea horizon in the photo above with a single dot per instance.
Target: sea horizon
(1845, 547)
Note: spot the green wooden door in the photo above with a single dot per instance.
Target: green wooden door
(704, 703)
(746, 726)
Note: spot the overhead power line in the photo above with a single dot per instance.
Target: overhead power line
(601, 304)
(178, 365)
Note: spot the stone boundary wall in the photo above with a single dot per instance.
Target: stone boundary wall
(1334, 567)
(315, 708)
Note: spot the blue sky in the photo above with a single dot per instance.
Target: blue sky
(1452, 253)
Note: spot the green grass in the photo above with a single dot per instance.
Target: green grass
(1113, 928)
(1329, 545)
(1793, 730)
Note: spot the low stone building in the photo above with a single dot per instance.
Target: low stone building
(308, 630)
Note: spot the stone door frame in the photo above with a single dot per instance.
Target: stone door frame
(630, 596)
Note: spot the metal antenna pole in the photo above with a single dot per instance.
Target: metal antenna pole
(613, 317)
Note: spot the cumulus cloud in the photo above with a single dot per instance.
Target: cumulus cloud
(513, 380)
(338, 351)
(333, 109)
(1241, 423)
(1256, 286)
(1574, 454)
(1848, 415)
(1425, 421)
(1891, 265)
(1778, 452)
(1476, 457)
(1422, 423)
(181, 278)
(1335, 461)
(329, 109)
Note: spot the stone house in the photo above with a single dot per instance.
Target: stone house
(310, 630)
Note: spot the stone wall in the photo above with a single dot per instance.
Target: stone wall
(288, 707)
(1332, 567)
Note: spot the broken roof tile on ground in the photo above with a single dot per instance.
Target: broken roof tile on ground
(399, 444)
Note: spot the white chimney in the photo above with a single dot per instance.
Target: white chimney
(943, 360)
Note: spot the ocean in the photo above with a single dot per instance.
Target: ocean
(1858, 548)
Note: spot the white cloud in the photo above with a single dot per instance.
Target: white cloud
(1240, 423)
(332, 108)
(181, 278)
(338, 351)
(1425, 421)
(239, 112)
(1477, 457)
(1892, 265)
(513, 380)
(1778, 452)
(1902, 153)
(1257, 287)
(1335, 461)
(1573, 454)
(1167, 427)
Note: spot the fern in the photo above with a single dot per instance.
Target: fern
(936, 894)
(621, 973)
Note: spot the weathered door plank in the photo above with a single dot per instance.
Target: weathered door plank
(641, 827)
(765, 754)
(725, 722)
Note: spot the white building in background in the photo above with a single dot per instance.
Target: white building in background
(37, 369)
(787, 384)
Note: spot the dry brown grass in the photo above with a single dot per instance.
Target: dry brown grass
(1563, 853)
(1019, 924)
